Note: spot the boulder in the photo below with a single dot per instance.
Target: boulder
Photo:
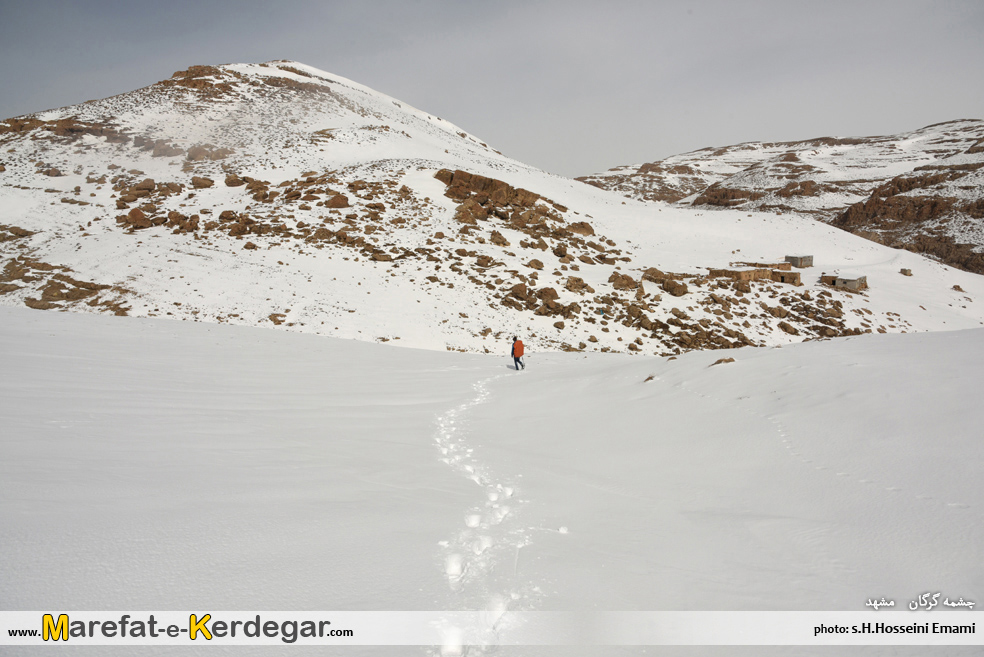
(654, 275)
(675, 288)
(788, 328)
(137, 218)
(581, 228)
(147, 184)
(337, 201)
(577, 285)
(232, 180)
(498, 239)
(199, 182)
(535, 264)
(622, 281)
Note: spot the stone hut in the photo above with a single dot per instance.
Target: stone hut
(800, 260)
(855, 284)
(740, 274)
(790, 277)
(782, 275)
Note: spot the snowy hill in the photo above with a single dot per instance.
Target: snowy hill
(921, 190)
(279, 195)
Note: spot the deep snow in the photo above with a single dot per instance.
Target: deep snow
(153, 464)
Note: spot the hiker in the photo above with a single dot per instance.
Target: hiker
(517, 353)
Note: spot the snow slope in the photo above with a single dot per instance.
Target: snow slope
(324, 216)
(154, 464)
(921, 190)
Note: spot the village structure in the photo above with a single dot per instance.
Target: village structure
(781, 272)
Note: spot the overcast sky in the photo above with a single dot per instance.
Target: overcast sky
(571, 87)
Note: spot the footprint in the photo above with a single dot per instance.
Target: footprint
(454, 566)
(481, 544)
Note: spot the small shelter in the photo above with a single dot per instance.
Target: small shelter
(800, 260)
(855, 284)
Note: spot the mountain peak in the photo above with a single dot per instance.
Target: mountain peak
(279, 195)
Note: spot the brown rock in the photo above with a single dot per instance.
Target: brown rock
(654, 275)
(779, 312)
(558, 325)
(675, 288)
(957, 288)
(249, 246)
(381, 257)
(788, 328)
(535, 264)
(201, 183)
(577, 285)
(581, 228)
(586, 260)
(137, 218)
(232, 180)
(721, 361)
(547, 294)
(498, 239)
(147, 184)
(622, 281)
(337, 201)
(519, 290)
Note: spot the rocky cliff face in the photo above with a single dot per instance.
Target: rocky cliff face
(922, 191)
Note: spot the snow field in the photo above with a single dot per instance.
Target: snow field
(154, 464)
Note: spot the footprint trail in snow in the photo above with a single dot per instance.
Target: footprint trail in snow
(482, 560)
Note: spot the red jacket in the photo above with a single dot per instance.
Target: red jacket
(517, 350)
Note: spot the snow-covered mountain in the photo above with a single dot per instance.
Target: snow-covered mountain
(280, 195)
(151, 464)
(920, 190)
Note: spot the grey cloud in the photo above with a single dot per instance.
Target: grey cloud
(571, 87)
